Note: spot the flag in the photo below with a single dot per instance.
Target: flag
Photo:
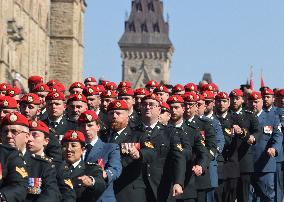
(261, 79)
(251, 78)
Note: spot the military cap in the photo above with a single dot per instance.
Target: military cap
(255, 95)
(77, 97)
(222, 96)
(35, 80)
(90, 91)
(151, 96)
(100, 88)
(90, 79)
(109, 94)
(55, 96)
(200, 97)
(52, 82)
(141, 91)
(88, 116)
(175, 99)
(190, 87)
(41, 87)
(124, 84)
(103, 82)
(152, 83)
(267, 91)
(161, 88)
(208, 95)
(74, 136)
(209, 87)
(110, 86)
(4, 86)
(177, 88)
(190, 97)
(13, 91)
(15, 118)
(8, 102)
(165, 106)
(280, 92)
(126, 92)
(38, 126)
(118, 105)
(30, 98)
(236, 93)
(58, 87)
(76, 85)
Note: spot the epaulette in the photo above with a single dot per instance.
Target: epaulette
(42, 158)
(248, 111)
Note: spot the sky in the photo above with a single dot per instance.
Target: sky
(221, 37)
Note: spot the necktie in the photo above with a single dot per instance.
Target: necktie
(88, 150)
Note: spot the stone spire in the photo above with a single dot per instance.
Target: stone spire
(145, 44)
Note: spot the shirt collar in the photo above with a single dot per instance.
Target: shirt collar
(151, 126)
(94, 141)
(190, 120)
(209, 115)
(120, 131)
(76, 163)
(57, 120)
(258, 114)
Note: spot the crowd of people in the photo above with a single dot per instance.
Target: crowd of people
(99, 141)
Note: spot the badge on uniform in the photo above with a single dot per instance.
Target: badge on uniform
(34, 185)
(202, 134)
(229, 131)
(268, 129)
(68, 182)
(22, 171)
(149, 145)
(126, 146)
(179, 146)
(101, 163)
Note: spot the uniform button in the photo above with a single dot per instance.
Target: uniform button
(149, 175)
(148, 165)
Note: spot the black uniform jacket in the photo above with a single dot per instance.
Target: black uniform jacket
(13, 174)
(90, 194)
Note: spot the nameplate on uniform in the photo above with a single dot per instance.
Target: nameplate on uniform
(125, 147)
(34, 185)
(268, 129)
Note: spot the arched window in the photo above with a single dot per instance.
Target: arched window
(144, 27)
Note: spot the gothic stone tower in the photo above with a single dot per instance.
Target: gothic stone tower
(145, 45)
(66, 40)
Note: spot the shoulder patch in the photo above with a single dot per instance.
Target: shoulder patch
(22, 171)
(68, 182)
(149, 145)
(179, 146)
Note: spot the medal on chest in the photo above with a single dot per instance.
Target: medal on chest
(34, 185)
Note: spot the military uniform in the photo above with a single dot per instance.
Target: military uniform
(42, 183)
(13, 175)
(134, 119)
(83, 193)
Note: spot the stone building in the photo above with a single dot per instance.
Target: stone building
(41, 37)
(146, 49)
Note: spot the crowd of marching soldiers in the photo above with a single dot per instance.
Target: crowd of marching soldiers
(107, 143)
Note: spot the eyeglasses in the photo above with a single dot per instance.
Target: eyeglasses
(150, 104)
(15, 132)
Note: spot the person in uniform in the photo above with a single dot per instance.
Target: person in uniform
(87, 178)
(42, 183)
(265, 150)
(93, 98)
(106, 98)
(30, 106)
(107, 155)
(127, 94)
(196, 166)
(33, 81)
(163, 92)
(7, 105)
(14, 92)
(151, 85)
(165, 114)
(139, 93)
(178, 89)
(76, 88)
(76, 104)
(3, 88)
(249, 124)
(90, 81)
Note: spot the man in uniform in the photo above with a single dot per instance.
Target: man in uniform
(106, 98)
(76, 105)
(33, 81)
(42, 91)
(165, 114)
(138, 95)
(87, 178)
(76, 88)
(93, 98)
(30, 106)
(3, 88)
(42, 184)
(151, 85)
(7, 105)
(90, 81)
(163, 92)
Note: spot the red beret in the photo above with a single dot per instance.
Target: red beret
(152, 83)
(126, 92)
(124, 84)
(88, 116)
(208, 95)
(255, 95)
(76, 85)
(74, 136)
(280, 92)
(55, 96)
(41, 87)
(267, 91)
(177, 88)
(200, 97)
(15, 118)
(165, 106)
(90, 79)
(175, 99)
(161, 88)
(8, 102)
(190, 97)
(77, 97)
(103, 82)
(110, 86)
(35, 79)
(13, 92)
(38, 126)
(222, 96)
(118, 104)
(109, 94)
(30, 98)
(58, 87)
(52, 82)
(209, 87)
(236, 92)
(190, 87)
(4, 86)
(90, 91)
(100, 88)
(152, 96)
(141, 91)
